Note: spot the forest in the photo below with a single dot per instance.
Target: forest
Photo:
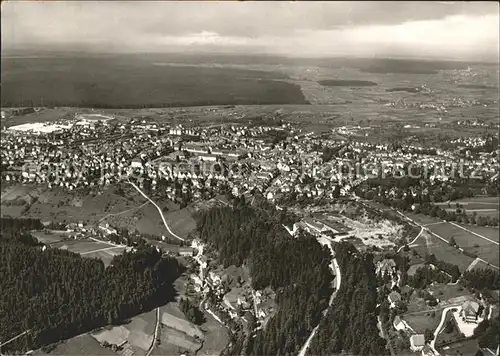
(488, 333)
(350, 324)
(57, 294)
(481, 278)
(129, 82)
(297, 269)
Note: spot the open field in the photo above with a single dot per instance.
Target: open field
(106, 255)
(461, 348)
(82, 345)
(478, 200)
(450, 294)
(447, 295)
(85, 247)
(180, 221)
(469, 242)
(138, 333)
(423, 320)
(482, 205)
(442, 250)
(79, 246)
(174, 342)
(12, 210)
(216, 337)
(51, 237)
(491, 233)
(130, 210)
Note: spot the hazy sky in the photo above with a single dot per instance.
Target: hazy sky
(446, 29)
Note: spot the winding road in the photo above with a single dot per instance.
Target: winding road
(422, 229)
(440, 326)
(159, 210)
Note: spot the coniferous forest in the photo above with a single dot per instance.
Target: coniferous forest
(351, 322)
(296, 268)
(57, 294)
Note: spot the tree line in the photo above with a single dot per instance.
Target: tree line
(58, 294)
(482, 278)
(350, 325)
(296, 269)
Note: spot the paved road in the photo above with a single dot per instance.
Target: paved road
(474, 233)
(415, 239)
(155, 335)
(159, 210)
(440, 326)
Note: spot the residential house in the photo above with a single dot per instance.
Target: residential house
(417, 342)
(427, 351)
(398, 323)
(107, 230)
(393, 298)
(386, 266)
(413, 269)
(186, 251)
(470, 311)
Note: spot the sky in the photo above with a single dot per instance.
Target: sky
(452, 30)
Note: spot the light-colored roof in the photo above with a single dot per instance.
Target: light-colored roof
(470, 304)
(417, 340)
(394, 296)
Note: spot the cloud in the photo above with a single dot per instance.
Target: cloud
(281, 27)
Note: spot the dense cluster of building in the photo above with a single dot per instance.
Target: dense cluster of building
(199, 162)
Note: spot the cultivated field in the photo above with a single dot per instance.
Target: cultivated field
(216, 337)
(85, 247)
(174, 342)
(430, 244)
(468, 241)
(420, 321)
(105, 255)
(82, 345)
(50, 237)
(130, 210)
(136, 335)
(449, 294)
(80, 246)
(491, 233)
(482, 206)
(461, 348)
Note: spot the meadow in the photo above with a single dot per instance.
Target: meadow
(469, 242)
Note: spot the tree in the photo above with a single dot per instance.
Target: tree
(428, 335)
(452, 242)
(449, 326)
